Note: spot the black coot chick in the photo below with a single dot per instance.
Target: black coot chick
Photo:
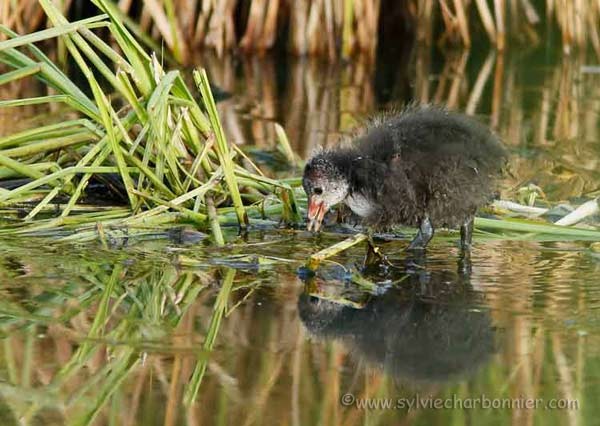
(425, 167)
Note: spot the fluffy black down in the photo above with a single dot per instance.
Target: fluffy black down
(424, 160)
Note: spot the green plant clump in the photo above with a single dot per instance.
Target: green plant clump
(142, 123)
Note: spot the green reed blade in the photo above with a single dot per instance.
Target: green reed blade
(19, 73)
(219, 308)
(222, 149)
(53, 32)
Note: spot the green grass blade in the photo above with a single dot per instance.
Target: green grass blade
(135, 53)
(34, 101)
(222, 149)
(219, 308)
(522, 225)
(53, 32)
(19, 73)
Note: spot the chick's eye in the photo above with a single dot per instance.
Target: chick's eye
(318, 191)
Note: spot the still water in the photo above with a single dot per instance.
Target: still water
(129, 334)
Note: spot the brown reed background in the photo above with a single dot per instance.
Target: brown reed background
(333, 28)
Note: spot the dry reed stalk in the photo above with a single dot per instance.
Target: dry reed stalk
(362, 29)
(566, 381)
(482, 78)
(347, 30)
(4, 14)
(442, 82)
(254, 25)
(330, 27)
(371, 388)
(522, 385)
(16, 17)
(201, 23)
(221, 29)
(27, 17)
(166, 23)
(532, 16)
(487, 19)
(425, 21)
(579, 12)
(269, 33)
(458, 79)
(515, 18)
(550, 9)
(325, 120)
(129, 416)
(298, 21)
(463, 24)
(294, 105)
(566, 124)
(374, 10)
(125, 5)
(321, 104)
(563, 19)
(422, 72)
(514, 121)
(497, 93)
(146, 20)
(544, 119)
(356, 97)
(186, 10)
(499, 10)
(313, 28)
(229, 30)
(316, 27)
(449, 22)
(593, 16)
(569, 20)
(260, 84)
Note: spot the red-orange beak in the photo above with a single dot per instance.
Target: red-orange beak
(316, 212)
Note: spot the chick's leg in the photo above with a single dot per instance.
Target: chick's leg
(424, 235)
(466, 234)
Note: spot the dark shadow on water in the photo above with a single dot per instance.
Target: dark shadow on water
(430, 328)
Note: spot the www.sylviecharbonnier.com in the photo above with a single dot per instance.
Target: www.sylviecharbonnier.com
(417, 402)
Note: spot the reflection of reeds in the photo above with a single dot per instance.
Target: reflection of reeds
(534, 350)
(123, 351)
(319, 102)
(333, 28)
(559, 112)
(316, 103)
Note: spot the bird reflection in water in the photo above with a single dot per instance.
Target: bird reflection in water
(429, 327)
